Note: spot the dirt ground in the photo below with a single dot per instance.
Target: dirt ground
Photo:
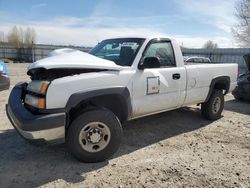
(172, 149)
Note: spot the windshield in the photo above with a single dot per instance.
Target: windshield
(121, 51)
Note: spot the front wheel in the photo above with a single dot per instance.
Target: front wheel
(213, 108)
(94, 136)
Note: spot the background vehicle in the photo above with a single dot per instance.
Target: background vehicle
(84, 98)
(196, 59)
(4, 77)
(242, 91)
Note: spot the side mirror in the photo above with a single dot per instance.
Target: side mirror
(149, 62)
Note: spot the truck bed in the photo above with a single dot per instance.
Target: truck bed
(199, 78)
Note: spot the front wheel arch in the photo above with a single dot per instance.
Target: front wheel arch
(117, 100)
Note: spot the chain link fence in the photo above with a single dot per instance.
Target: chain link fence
(32, 54)
(220, 55)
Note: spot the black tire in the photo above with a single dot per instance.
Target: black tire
(208, 109)
(237, 95)
(104, 116)
(238, 98)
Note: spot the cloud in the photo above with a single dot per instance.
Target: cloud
(106, 21)
(64, 31)
(198, 42)
(84, 36)
(103, 8)
(87, 31)
(219, 14)
(37, 6)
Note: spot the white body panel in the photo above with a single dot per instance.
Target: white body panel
(151, 90)
(166, 96)
(61, 89)
(199, 78)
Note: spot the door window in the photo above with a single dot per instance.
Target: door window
(162, 50)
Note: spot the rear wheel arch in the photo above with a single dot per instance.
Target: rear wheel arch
(219, 83)
(117, 100)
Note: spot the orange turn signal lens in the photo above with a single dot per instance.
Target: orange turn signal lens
(41, 103)
(44, 87)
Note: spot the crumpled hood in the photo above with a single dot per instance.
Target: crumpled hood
(75, 59)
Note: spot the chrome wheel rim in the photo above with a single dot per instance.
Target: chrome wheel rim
(94, 136)
(216, 105)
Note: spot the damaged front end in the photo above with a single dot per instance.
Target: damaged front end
(28, 107)
(52, 74)
(68, 62)
(64, 63)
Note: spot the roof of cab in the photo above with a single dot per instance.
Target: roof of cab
(149, 37)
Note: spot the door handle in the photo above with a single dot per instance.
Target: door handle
(176, 76)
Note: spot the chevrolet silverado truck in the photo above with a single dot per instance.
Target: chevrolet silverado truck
(83, 98)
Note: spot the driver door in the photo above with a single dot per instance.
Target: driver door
(158, 89)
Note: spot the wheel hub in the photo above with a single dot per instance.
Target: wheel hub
(94, 135)
(216, 105)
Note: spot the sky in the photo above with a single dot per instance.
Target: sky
(85, 22)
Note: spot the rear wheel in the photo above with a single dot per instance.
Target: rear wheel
(94, 136)
(213, 108)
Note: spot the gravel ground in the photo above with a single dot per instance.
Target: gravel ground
(172, 149)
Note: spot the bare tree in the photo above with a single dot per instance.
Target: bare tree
(30, 36)
(241, 31)
(20, 38)
(2, 39)
(210, 45)
(14, 37)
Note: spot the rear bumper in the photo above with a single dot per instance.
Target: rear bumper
(46, 128)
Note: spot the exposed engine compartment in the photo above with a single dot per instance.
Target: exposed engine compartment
(51, 74)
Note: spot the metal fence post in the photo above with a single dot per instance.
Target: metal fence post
(33, 58)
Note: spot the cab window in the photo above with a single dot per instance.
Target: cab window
(162, 50)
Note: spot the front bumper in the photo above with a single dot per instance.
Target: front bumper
(48, 128)
(242, 92)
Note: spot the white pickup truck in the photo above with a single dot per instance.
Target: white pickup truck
(83, 98)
